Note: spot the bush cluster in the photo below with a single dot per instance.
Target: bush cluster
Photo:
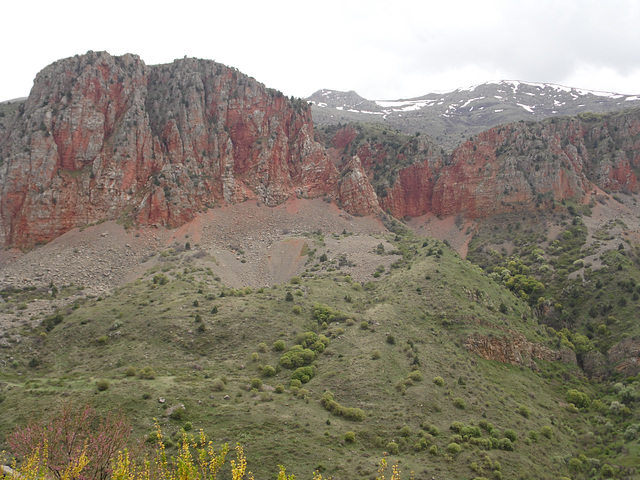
(304, 374)
(325, 314)
(297, 356)
(334, 407)
(315, 342)
(579, 399)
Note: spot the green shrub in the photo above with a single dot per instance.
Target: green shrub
(334, 407)
(415, 375)
(130, 372)
(323, 313)
(279, 345)
(256, 383)
(433, 430)
(255, 357)
(506, 444)
(510, 434)
(295, 383)
(289, 297)
(268, 371)
(459, 403)
(546, 431)
(304, 374)
(279, 388)
(375, 355)
(160, 279)
(391, 340)
(392, 448)
(486, 426)
(177, 414)
(355, 414)
(364, 325)
(263, 347)
(471, 431)
(187, 427)
(579, 399)
(524, 411)
(438, 381)
(350, 437)
(297, 309)
(456, 427)
(147, 374)
(217, 385)
(297, 357)
(433, 450)
(607, 471)
(453, 448)
(102, 385)
(295, 281)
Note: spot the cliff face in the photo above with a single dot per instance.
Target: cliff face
(101, 136)
(510, 168)
(515, 349)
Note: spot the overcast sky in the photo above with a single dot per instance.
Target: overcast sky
(386, 49)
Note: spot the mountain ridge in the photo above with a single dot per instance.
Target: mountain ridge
(450, 117)
(103, 138)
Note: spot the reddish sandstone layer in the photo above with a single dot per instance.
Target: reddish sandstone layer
(101, 137)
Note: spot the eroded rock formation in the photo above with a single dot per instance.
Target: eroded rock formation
(103, 137)
(514, 348)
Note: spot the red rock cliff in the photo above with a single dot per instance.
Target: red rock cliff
(101, 137)
(509, 168)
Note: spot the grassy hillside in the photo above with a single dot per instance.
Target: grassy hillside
(589, 276)
(378, 368)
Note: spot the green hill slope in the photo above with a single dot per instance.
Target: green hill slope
(382, 367)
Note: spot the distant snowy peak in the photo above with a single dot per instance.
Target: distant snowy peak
(542, 99)
(543, 89)
(345, 101)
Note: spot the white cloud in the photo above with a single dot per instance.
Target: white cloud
(381, 49)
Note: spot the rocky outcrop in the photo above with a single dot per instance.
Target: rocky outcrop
(355, 192)
(515, 349)
(505, 169)
(624, 357)
(103, 137)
